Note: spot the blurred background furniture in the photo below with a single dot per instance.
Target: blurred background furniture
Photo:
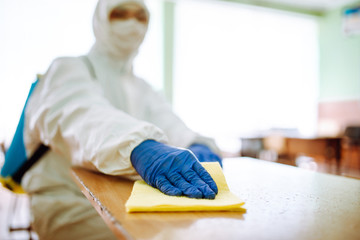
(338, 154)
(350, 149)
(322, 149)
(14, 212)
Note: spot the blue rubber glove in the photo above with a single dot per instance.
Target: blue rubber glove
(174, 171)
(204, 153)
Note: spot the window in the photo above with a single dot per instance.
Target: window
(148, 64)
(240, 70)
(35, 32)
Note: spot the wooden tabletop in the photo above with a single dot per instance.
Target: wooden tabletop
(282, 202)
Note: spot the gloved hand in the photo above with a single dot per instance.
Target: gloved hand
(204, 153)
(174, 171)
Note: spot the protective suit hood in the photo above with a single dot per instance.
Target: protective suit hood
(120, 44)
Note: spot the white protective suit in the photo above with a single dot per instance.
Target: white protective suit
(94, 122)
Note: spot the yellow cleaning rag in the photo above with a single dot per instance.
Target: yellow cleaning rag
(145, 198)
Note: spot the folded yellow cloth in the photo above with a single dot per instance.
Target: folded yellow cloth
(145, 198)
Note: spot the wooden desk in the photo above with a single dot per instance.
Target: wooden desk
(328, 148)
(283, 202)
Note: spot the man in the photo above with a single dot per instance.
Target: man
(94, 112)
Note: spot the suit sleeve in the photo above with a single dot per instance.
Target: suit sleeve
(69, 112)
(161, 114)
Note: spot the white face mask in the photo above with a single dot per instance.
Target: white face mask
(128, 34)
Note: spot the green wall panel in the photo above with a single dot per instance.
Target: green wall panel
(339, 59)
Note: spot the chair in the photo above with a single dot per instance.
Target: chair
(18, 223)
(351, 149)
(15, 211)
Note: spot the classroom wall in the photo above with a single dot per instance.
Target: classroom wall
(339, 86)
(339, 60)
